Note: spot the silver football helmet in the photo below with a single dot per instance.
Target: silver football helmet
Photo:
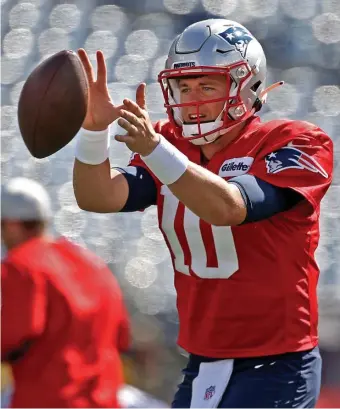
(215, 46)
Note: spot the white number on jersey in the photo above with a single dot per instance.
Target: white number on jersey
(227, 262)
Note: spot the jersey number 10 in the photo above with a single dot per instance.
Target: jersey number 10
(220, 241)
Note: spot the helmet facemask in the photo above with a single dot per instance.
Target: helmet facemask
(233, 111)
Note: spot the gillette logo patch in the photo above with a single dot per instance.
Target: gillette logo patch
(235, 166)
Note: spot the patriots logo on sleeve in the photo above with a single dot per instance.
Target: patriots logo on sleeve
(290, 157)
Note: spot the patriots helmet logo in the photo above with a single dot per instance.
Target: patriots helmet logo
(290, 157)
(238, 37)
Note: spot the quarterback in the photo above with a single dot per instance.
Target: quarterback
(238, 205)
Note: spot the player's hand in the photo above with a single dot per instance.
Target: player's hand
(141, 136)
(101, 111)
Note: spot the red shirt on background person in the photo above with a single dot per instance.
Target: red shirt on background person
(63, 319)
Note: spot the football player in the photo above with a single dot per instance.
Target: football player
(63, 320)
(238, 204)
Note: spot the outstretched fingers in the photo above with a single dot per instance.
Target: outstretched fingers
(101, 70)
(140, 96)
(125, 138)
(139, 107)
(129, 116)
(87, 65)
(130, 128)
(131, 106)
(101, 79)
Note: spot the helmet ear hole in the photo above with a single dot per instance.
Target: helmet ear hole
(255, 87)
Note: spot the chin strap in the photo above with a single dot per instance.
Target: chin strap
(262, 98)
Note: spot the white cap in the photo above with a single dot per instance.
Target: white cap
(25, 199)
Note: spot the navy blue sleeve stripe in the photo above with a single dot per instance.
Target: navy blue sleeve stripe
(142, 188)
(263, 199)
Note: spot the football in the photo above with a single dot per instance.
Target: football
(53, 103)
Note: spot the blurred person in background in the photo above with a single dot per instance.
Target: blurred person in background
(63, 320)
(238, 204)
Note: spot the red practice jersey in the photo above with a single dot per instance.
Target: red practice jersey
(63, 308)
(250, 290)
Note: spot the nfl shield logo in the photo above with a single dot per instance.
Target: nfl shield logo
(209, 392)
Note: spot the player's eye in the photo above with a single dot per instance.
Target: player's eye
(184, 90)
(207, 89)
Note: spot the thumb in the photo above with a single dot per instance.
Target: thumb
(140, 96)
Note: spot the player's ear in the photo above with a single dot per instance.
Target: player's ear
(140, 96)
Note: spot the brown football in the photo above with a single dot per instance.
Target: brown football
(53, 103)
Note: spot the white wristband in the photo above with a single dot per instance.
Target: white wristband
(92, 147)
(166, 162)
